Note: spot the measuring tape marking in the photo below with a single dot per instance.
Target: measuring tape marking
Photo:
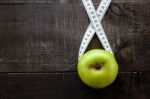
(98, 27)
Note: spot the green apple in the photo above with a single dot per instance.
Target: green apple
(97, 68)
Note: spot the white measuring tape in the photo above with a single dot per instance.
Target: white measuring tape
(95, 25)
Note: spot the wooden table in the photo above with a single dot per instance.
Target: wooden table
(39, 42)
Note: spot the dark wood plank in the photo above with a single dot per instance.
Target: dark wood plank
(46, 37)
(23, 1)
(140, 85)
(94, 1)
(63, 1)
(31, 86)
(66, 85)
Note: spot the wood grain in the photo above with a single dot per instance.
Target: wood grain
(23, 1)
(140, 84)
(39, 42)
(64, 1)
(66, 85)
(46, 37)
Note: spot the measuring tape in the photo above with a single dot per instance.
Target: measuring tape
(95, 25)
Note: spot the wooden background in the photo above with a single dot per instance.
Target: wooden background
(39, 42)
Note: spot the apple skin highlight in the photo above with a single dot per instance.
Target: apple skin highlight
(97, 77)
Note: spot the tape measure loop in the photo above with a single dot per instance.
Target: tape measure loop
(95, 25)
